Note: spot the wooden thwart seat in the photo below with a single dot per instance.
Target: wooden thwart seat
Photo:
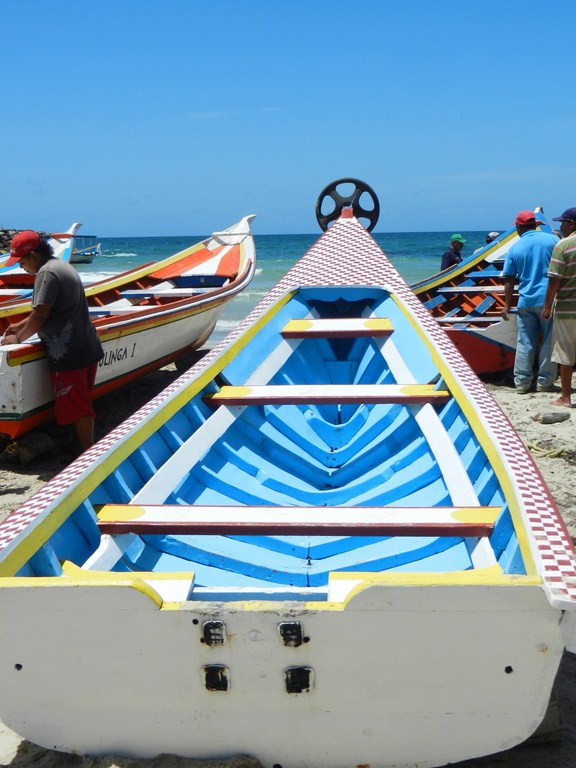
(147, 293)
(340, 327)
(434, 302)
(201, 281)
(307, 521)
(117, 310)
(302, 394)
(472, 289)
(485, 274)
(469, 319)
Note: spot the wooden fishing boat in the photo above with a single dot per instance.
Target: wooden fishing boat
(86, 249)
(323, 545)
(466, 301)
(145, 318)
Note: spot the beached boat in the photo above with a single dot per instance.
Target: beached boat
(146, 317)
(466, 300)
(324, 545)
(15, 284)
(86, 249)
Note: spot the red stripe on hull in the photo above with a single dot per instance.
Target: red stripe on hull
(482, 355)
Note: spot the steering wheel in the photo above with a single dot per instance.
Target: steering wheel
(342, 201)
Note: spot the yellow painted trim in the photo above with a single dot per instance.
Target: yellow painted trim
(466, 266)
(298, 325)
(120, 512)
(95, 289)
(422, 390)
(17, 309)
(77, 577)
(64, 582)
(483, 437)
(378, 324)
(486, 515)
(229, 392)
(37, 353)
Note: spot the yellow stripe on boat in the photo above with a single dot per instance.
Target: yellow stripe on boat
(478, 426)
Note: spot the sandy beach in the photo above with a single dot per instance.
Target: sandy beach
(553, 446)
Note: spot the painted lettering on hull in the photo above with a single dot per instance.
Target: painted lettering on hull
(112, 356)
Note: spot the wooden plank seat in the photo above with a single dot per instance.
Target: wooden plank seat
(302, 394)
(200, 281)
(148, 293)
(339, 327)
(472, 289)
(469, 319)
(21, 292)
(105, 311)
(485, 274)
(434, 302)
(482, 308)
(288, 521)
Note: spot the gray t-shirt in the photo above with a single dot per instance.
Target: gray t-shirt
(70, 338)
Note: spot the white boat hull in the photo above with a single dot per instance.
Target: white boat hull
(479, 657)
(27, 385)
(144, 320)
(323, 546)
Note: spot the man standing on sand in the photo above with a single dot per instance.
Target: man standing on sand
(561, 302)
(60, 318)
(452, 255)
(527, 261)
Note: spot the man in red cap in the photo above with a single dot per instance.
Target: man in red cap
(561, 302)
(60, 318)
(527, 262)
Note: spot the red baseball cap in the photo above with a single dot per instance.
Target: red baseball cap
(22, 244)
(526, 217)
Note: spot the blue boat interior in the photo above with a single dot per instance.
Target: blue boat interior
(351, 454)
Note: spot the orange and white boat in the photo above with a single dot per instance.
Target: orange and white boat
(145, 318)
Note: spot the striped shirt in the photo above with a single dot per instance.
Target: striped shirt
(563, 265)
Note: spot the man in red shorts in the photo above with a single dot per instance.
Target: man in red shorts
(60, 318)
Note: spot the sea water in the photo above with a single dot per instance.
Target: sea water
(415, 255)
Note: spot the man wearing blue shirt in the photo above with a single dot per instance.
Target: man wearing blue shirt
(527, 262)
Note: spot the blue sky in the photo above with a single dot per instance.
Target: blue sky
(169, 117)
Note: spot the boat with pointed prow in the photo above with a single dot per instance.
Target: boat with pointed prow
(323, 545)
(467, 300)
(147, 317)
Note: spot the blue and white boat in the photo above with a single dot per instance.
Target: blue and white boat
(86, 248)
(324, 545)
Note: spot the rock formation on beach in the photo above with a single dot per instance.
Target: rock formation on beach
(6, 236)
